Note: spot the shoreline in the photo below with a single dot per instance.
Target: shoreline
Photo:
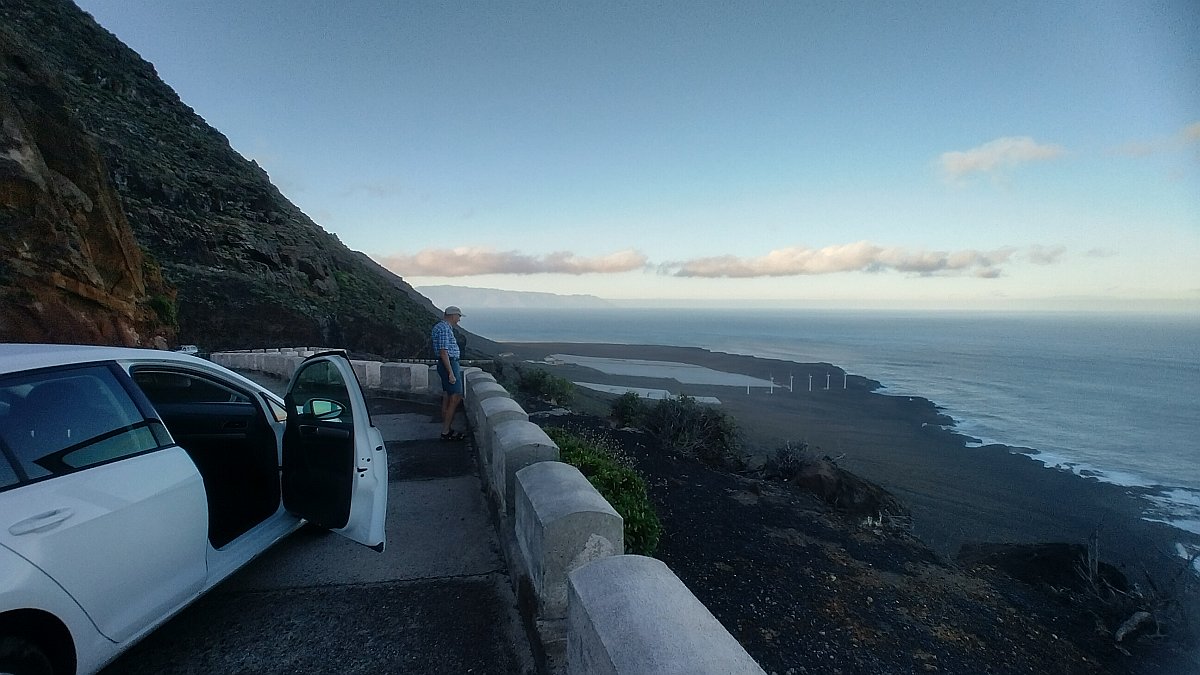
(958, 492)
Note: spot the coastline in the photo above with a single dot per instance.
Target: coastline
(958, 492)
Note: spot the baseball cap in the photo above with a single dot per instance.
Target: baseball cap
(452, 310)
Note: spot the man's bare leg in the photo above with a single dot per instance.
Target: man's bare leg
(449, 407)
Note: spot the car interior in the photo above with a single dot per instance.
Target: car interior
(227, 434)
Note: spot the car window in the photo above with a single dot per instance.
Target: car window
(163, 387)
(317, 383)
(64, 420)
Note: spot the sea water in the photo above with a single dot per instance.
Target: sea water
(1116, 397)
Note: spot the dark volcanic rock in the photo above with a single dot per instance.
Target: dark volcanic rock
(1055, 564)
(250, 268)
(70, 269)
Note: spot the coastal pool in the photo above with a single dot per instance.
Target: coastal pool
(684, 373)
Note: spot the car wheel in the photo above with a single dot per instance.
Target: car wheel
(19, 656)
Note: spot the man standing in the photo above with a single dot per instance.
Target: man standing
(445, 349)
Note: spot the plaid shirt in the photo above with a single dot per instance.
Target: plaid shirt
(443, 338)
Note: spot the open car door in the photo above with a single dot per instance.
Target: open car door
(334, 461)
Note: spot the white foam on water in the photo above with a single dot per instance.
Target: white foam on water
(1179, 508)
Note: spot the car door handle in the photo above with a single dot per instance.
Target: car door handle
(40, 522)
(235, 424)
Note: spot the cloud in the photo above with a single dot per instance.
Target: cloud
(1177, 141)
(472, 261)
(861, 256)
(1044, 255)
(1002, 153)
(1099, 253)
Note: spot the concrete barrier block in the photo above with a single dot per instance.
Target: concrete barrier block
(631, 614)
(516, 445)
(473, 375)
(367, 373)
(290, 364)
(273, 364)
(493, 411)
(403, 377)
(478, 393)
(561, 523)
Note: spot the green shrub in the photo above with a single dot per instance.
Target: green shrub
(629, 410)
(609, 472)
(164, 308)
(788, 460)
(541, 385)
(694, 430)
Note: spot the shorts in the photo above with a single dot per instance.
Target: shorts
(457, 387)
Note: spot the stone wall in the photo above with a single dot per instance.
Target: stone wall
(596, 609)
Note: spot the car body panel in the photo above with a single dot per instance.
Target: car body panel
(127, 540)
(23, 585)
(115, 549)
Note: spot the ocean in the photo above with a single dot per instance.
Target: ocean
(1115, 397)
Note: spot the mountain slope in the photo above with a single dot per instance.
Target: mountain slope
(70, 270)
(249, 267)
(494, 298)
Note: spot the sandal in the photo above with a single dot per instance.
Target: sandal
(453, 436)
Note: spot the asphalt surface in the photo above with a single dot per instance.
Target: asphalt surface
(437, 600)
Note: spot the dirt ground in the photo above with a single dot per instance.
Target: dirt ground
(808, 589)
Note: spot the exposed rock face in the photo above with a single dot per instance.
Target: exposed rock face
(70, 269)
(250, 268)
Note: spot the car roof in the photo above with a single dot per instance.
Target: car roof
(18, 357)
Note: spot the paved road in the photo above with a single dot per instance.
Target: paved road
(438, 600)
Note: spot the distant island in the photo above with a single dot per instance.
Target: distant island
(494, 298)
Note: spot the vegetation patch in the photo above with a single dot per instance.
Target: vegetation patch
(684, 425)
(610, 472)
(165, 309)
(540, 385)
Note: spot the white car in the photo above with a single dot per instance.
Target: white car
(133, 480)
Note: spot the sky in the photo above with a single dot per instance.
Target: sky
(933, 154)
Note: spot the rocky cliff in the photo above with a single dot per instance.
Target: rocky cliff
(249, 268)
(70, 269)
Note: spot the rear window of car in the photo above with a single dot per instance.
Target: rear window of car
(59, 421)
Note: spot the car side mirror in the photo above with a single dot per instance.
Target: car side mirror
(322, 409)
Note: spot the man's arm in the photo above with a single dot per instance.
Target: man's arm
(445, 358)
